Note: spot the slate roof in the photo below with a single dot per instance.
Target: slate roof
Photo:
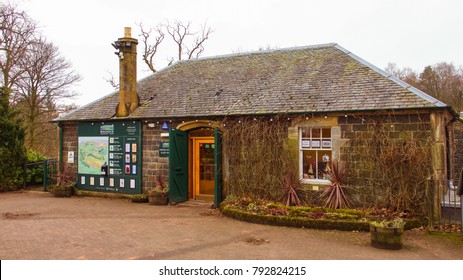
(321, 78)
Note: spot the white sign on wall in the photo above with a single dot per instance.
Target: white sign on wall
(70, 156)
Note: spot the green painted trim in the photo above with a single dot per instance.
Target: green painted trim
(217, 167)
(45, 171)
(60, 155)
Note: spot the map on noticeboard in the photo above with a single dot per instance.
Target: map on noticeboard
(93, 153)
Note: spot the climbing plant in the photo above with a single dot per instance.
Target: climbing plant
(394, 165)
(258, 157)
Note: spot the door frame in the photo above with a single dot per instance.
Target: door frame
(189, 127)
(194, 170)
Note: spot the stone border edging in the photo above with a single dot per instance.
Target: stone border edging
(300, 222)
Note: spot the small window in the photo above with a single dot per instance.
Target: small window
(315, 153)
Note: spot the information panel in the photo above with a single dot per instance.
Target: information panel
(109, 157)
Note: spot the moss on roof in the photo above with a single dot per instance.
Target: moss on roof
(322, 78)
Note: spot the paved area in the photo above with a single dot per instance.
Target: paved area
(35, 225)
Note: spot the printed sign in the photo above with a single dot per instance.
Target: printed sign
(115, 146)
(163, 149)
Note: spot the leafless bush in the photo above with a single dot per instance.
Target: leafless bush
(258, 156)
(395, 168)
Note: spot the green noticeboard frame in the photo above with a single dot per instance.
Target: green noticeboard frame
(109, 157)
(164, 149)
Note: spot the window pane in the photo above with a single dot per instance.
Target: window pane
(316, 164)
(324, 164)
(305, 132)
(316, 145)
(326, 132)
(309, 164)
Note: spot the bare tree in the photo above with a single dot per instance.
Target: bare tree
(149, 50)
(406, 74)
(111, 80)
(46, 79)
(17, 31)
(190, 44)
(443, 81)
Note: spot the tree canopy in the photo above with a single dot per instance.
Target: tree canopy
(35, 76)
(443, 81)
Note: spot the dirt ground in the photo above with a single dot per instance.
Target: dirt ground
(35, 225)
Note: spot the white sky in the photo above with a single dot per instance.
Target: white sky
(410, 33)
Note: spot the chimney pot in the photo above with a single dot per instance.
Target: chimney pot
(127, 32)
(127, 51)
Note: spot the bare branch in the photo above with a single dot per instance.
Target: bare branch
(149, 50)
(198, 46)
(17, 30)
(178, 31)
(111, 80)
(46, 78)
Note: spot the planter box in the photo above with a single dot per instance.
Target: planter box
(158, 199)
(386, 238)
(62, 191)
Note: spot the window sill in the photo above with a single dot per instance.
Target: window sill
(316, 182)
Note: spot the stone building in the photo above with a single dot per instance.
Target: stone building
(168, 124)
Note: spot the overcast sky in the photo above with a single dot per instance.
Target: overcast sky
(409, 33)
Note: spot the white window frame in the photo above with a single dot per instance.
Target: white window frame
(321, 148)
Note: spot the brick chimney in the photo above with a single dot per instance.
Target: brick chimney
(127, 53)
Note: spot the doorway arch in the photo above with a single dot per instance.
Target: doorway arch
(191, 125)
(203, 167)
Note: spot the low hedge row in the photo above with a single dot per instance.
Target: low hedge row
(301, 222)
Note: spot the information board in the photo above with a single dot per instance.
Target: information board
(163, 149)
(109, 157)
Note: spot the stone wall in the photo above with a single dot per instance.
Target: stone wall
(69, 132)
(358, 128)
(153, 165)
(389, 159)
(458, 150)
(345, 129)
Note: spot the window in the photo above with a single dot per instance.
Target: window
(315, 152)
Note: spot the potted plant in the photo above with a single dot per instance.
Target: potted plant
(64, 185)
(158, 195)
(387, 234)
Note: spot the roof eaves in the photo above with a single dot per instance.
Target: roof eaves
(403, 84)
(61, 118)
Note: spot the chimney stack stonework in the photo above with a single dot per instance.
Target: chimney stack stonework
(127, 52)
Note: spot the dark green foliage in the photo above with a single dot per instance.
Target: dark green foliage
(12, 152)
(139, 198)
(34, 169)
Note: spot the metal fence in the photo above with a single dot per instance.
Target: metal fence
(40, 173)
(450, 216)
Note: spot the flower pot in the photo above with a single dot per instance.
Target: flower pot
(386, 238)
(158, 199)
(62, 192)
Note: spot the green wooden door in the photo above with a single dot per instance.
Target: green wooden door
(178, 165)
(217, 167)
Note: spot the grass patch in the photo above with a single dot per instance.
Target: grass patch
(454, 237)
